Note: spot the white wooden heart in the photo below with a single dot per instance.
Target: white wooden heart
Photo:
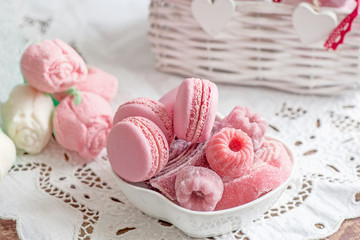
(312, 26)
(212, 17)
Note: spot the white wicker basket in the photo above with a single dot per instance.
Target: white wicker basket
(258, 47)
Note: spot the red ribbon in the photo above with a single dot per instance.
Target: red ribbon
(338, 35)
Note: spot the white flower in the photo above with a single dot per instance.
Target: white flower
(27, 118)
(7, 154)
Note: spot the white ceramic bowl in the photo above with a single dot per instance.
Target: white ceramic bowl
(195, 223)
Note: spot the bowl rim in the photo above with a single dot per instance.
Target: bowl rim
(217, 212)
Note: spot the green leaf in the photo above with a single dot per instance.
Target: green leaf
(77, 95)
(77, 98)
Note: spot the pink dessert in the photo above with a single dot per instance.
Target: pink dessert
(211, 165)
(98, 82)
(195, 110)
(238, 191)
(230, 152)
(165, 180)
(83, 127)
(52, 66)
(150, 109)
(137, 149)
(251, 123)
(169, 100)
(177, 147)
(198, 188)
(275, 154)
(272, 166)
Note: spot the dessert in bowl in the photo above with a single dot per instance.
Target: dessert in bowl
(198, 223)
(176, 159)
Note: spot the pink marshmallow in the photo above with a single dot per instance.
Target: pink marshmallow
(52, 66)
(84, 127)
(98, 82)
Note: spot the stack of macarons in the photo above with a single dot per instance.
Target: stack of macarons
(177, 146)
(63, 96)
(138, 144)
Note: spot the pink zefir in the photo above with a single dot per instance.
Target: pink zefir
(83, 124)
(98, 82)
(52, 66)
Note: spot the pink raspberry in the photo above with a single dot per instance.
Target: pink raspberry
(198, 188)
(249, 122)
(230, 152)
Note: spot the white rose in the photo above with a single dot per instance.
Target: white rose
(27, 118)
(7, 154)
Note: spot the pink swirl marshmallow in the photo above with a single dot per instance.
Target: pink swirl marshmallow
(98, 82)
(83, 128)
(52, 66)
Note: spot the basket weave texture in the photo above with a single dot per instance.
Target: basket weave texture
(257, 47)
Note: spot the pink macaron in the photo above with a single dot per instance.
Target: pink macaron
(137, 149)
(169, 100)
(150, 109)
(195, 109)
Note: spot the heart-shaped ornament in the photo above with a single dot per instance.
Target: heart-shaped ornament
(212, 16)
(312, 26)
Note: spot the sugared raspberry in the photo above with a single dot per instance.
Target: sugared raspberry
(249, 122)
(198, 188)
(230, 152)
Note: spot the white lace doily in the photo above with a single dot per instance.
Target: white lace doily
(56, 195)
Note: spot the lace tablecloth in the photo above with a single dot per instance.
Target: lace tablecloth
(56, 195)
